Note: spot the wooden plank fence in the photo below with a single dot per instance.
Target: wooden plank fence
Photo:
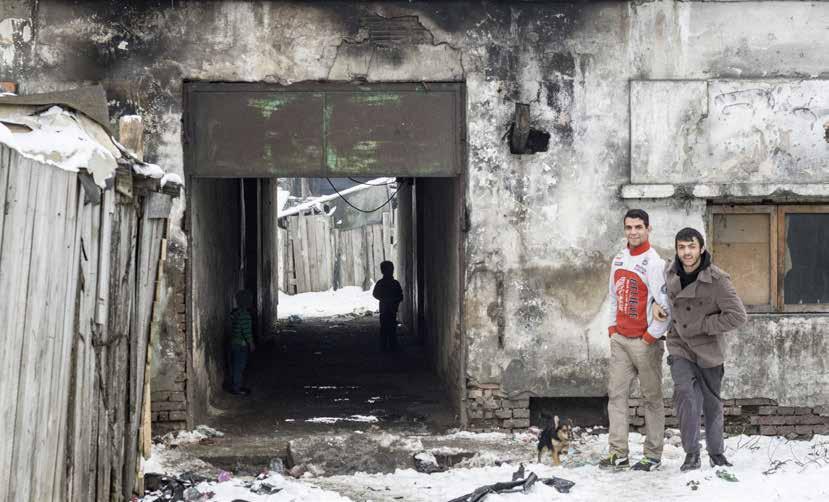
(78, 275)
(317, 256)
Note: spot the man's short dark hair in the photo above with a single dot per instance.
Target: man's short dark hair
(688, 234)
(638, 214)
(387, 267)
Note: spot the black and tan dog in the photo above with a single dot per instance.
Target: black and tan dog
(555, 438)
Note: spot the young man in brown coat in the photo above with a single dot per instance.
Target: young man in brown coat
(704, 305)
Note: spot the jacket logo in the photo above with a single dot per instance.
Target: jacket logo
(639, 268)
(618, 263)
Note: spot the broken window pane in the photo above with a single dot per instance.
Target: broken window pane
(806, 264)
(741, 248)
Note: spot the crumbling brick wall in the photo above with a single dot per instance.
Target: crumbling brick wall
(169, 383)
(489, 408)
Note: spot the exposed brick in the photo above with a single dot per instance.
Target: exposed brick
(492, 404)
(808, 420)
(634, 402)
(803, 429)
(475, 393)
(640, 411)
(801, 410)
(785, 429)
(768, 430)
(732, 410)
(631, 412)
(487, 393)
(489, 386)
(503, 413)
(499, 393)
(177, 396)
(766, 410)
(516, 423)
(161, 416)
(521, 412)
(822, 411)
(178, 415)
(167, 406)
(785, 410)
(473, 414)
(489, 414)
(516, 403)
(636, 421)
(771, 420)
(181, 377)
(160, 396)
(669, 412)
(671, 421)
(821, 429)
(756, 401)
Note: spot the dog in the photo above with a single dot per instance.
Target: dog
(555, 438)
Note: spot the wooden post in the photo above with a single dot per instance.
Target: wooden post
(131, 134)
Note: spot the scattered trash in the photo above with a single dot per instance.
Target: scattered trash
(519, 483)
(192, 494)
(265, 489)
(224, 476)
(693, 484)
(725, 475)
(276, 465)
(426, 463)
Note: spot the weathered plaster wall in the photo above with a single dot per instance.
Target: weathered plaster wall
(215, 265)
(439, 210)
(542, 228)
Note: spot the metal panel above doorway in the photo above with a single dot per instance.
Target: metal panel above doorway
(324, 129)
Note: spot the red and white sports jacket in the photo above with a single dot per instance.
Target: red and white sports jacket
(637, 280)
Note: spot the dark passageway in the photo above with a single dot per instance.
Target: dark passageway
(322, 369)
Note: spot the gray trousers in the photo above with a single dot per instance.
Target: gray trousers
(697, 391)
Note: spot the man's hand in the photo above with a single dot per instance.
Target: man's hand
(658, 313)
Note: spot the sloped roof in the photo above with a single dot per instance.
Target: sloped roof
(91, 101)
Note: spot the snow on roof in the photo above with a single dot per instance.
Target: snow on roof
(317, 202)
(70, 141)
(60, 138)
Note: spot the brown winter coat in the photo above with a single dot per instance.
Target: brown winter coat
(701, 314)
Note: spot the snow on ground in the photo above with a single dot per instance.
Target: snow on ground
(352, 418)
(766, 468)
(348, 300)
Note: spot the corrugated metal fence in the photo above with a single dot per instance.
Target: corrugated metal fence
(77, 279)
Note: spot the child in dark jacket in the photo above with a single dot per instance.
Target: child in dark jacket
(241, 340)
(390, 294)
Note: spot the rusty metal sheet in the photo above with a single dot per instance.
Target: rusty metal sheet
(261, 134)
(396, 132)
(324, 129)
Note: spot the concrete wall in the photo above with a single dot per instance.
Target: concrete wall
(543, 227)
(216, 277)
(439, 215)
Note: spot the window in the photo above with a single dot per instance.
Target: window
(777, 256)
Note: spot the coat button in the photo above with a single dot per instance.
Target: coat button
(688, 309)
(684, 325)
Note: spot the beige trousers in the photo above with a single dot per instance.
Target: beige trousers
(631, 357)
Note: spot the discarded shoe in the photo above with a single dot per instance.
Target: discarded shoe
(691, 462)
(718, 459)
(647, 464)
(615, 461)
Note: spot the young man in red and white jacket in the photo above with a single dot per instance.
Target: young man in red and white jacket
(637, 281)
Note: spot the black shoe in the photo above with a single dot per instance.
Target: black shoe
(691, 462)
(647, 464)
(240, 392)
(718, 459)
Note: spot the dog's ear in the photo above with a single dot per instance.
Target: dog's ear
(555, 422)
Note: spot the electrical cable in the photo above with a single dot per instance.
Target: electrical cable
(357, 208)
(372, 184)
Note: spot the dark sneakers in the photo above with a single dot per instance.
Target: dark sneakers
(646, 464)
(691, 462)
(719, 459)
(614, 461)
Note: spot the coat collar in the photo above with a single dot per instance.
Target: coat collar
(675, 286)
(641, 248)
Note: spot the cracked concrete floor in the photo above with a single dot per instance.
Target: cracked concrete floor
(326, 369)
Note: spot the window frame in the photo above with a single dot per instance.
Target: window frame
(777, 250)
(782, 229)
(774, 290)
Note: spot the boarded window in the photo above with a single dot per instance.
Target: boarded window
(777, 256)
(806, 260)
(742, 248)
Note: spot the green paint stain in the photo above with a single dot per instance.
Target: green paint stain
(267, 106)
(376, 98)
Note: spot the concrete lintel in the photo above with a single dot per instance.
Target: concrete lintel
(775, 191)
